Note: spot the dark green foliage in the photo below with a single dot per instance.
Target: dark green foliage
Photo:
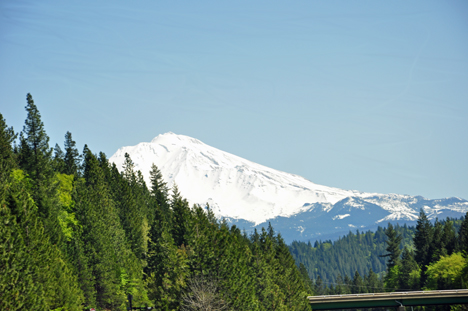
(166, 272)
(463, 236)
(115, 270)
(448, 240)
(347, 255)
(358, 284)
(181, 228)
(305, 278)
(423, 238)
(393, 247)
(132, 197)
(7, 136)
(289, 280)
(35, 158)
(319, 287)
(161, 193)
(437, 247)
(58, 162)
(35, 155)
(373, 283)
(76, 235)
(407, 280)
(34, 273)
(71, 157)
(333, 261)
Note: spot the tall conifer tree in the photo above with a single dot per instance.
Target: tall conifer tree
(358, 284)
(7, 136)
(393, 247)
(58, 162)
(181, 228)
(463, 236)
(161, 193)
(36, 160)
(36, 154)
(72, 156)
(422, 242)
(409, 271)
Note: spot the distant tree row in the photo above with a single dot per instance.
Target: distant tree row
(396, 258)
(76, 233)
(357, 251)
(437, 259)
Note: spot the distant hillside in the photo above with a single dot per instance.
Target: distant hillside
(356, 251)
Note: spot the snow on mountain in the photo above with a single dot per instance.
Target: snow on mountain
(234, 187)
(241, 190)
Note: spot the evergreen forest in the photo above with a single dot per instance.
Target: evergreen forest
(78, 233)
(428, 256)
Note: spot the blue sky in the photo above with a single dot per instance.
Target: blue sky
(362, 95)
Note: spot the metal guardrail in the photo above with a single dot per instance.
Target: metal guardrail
(410, 298)
(406, 294)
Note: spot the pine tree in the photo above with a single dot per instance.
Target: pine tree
(58, 162)
(132, 208)
(223, 256)
(7, 136)
(160, 192)
(288, 276)
(358, 284)
(269, 294)
(348, 282)
(305, 277)
(437, 247)
(319, 287)
(36, 155)
(373, 284)
(129, 169)
(449, 237)
(393, 247)
(422, 243)
(340, 286)
(72, 156)
(409, 271)
(17, 284)
(35, 158)
(463, 236)
(166, 272)
(181, 218)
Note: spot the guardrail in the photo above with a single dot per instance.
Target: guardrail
(409, 298)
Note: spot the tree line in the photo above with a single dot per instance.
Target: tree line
(430, 255)
(437, 259)
(334, 262)
(77, 233)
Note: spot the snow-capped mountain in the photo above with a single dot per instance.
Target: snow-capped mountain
(249, 194)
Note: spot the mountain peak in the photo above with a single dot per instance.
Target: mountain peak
(174, 139)
(236, 188)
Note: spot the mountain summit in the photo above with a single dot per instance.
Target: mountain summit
(239, 189)
(234, 187)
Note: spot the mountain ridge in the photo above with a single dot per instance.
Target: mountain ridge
(239, 189)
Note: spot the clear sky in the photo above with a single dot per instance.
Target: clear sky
(361, 95)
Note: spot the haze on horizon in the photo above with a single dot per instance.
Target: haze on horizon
(368, 96)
